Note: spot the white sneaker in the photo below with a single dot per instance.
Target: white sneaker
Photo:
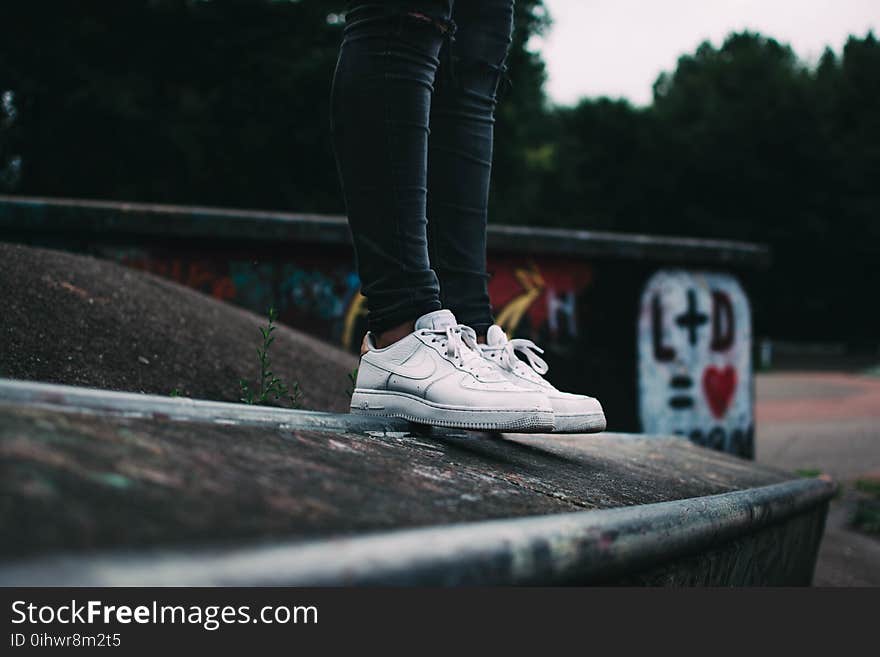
(571, 413)
(436, 375)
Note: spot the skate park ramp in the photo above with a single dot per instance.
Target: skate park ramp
(109, 488)
(78, 320)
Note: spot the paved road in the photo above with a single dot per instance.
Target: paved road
(828, 422)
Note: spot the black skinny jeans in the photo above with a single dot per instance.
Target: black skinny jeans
(413, 108)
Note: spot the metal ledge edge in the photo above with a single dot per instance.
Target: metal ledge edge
(582, 547)
(96, 401)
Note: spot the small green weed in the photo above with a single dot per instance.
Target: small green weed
(869, 486)
(352, 382)
(269, 386)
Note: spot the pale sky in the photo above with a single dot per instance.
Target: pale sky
(617, 48)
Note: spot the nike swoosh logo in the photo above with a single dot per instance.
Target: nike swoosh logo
(419, 366)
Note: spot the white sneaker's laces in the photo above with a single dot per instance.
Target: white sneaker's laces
(461, 346)
(510, 361)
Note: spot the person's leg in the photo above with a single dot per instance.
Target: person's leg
(459, 169)
(460, 156)
(381, 100)
(418, 362)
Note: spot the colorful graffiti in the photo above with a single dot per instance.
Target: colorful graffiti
(321, 293)
(203, 275)
(530, 298)
(526, 299)
(312, 293)
(695, 359)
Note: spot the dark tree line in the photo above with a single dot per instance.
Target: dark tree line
(745, 142)
(225, 102)
(169, 101)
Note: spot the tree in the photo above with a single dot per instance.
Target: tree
(171, 101)
(748, 149)
(745, 142)
(523, 134)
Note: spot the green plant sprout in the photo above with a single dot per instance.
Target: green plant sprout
(352, 380)
(269, 387)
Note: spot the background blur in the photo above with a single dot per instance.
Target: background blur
(224, 102)
(748, 120)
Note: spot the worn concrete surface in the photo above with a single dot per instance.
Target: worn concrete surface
(81, 321)
(79, 482)
(830, 422)
(756, 537)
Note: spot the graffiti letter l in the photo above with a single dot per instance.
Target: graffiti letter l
(662, 353)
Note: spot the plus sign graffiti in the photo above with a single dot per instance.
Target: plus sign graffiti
(692, 319)
(694, 354)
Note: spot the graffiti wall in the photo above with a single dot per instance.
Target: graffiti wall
(668, 351)
(695, 359)
(537, 297)
(318, 291)
(692, 354)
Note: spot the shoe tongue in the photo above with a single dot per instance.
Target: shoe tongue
(435, 321)
(495, 336)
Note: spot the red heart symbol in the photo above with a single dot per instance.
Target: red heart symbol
(719, 386)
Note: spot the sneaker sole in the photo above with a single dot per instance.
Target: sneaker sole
(580, 423)
(407, 407)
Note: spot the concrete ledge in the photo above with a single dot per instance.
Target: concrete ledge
(108, 488)
(582, 547)
(184, 409)
(21, 214)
